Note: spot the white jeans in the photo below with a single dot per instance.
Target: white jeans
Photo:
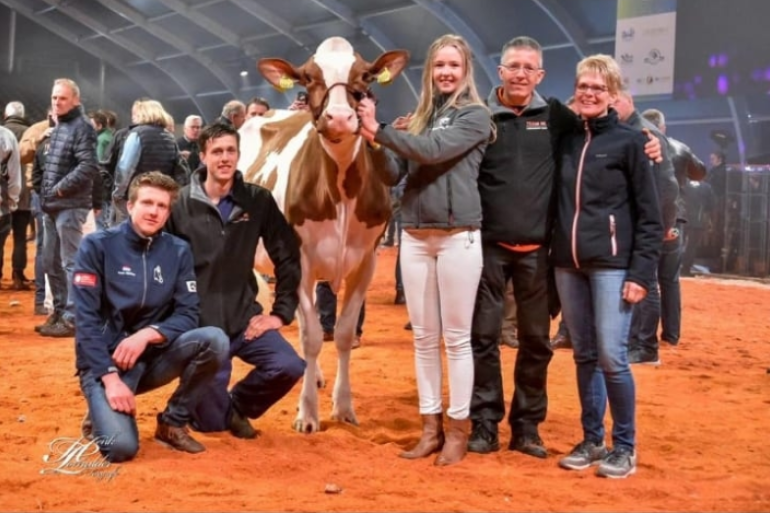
(441, 271)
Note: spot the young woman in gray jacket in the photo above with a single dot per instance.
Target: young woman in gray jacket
(441, 259)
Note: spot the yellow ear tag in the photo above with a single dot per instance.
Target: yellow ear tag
(384, 77)
(285, 84)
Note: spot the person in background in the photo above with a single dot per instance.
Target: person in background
(103, 139)
(256, 107)
(149, 146)
(233, 114)
(188, 143)
(15, 121)
(643, 336)
(440, 155)
(66, 196)
(10, 185)
(605, 248)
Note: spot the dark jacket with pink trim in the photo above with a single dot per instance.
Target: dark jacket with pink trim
(608, 215)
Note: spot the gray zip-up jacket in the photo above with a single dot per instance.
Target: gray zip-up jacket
(10, 172)
(441, 168)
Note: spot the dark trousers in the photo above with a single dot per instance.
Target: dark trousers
(16, 224)
(326, 304)
(399, 279)
(662, 304)
(277, 367)
(529, 274)
(691, 249)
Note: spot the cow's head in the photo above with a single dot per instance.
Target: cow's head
(336, 78)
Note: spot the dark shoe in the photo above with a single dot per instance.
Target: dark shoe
(240, 426)
(530, 445)
(59, 329)
(644, 356)
(510, 340)
(400, 298)
(329, 336)
(177, 438)
(432, 439)
(484, 438)
(52, 319)
(583, 455)
(408, 326)
(19, 281)
(40, 310)
(87, 427)
(561, 342)
(456, 444)
(619, 463)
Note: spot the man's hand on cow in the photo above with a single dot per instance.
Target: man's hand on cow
(297, 105)
(652, 148)
(367, 111)
(259, 324)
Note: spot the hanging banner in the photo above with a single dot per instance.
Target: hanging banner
(645, 41)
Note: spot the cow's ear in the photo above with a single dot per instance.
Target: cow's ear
(388, 66)
(280, 73)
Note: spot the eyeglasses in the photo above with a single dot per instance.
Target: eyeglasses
(595, 89)
(528, 70)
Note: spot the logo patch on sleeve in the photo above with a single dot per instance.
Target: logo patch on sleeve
(84, 280)
(192, 286)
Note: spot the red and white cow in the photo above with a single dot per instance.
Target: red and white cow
(320, 171)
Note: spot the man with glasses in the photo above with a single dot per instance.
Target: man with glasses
(188, 143)
(516, 181)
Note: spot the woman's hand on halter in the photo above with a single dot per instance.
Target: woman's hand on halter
(367, 112)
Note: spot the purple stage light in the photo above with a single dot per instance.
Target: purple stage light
(723, 84)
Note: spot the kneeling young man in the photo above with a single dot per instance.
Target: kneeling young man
(136, 310)
(223, 218)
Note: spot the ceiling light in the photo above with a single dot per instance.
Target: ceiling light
(244, 73)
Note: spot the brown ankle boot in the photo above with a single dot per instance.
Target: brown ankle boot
(456, 442)
(432, 438)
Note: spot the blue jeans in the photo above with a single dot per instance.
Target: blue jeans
(326, 304)
(39, 236)
(598, 320)
(193, 357)
(63, 233)
(104, 218)
(277, 367)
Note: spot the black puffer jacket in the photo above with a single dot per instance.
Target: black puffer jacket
(70, 165)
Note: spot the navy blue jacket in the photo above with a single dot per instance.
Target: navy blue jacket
(70, 166)
(124, 282)
(608, 215)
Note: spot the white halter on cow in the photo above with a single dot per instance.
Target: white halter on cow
(321, 174)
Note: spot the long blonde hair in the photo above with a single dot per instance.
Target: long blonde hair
(466, 93)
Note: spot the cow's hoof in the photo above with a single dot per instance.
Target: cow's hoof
(305, 426)
(348, 417)
(320, 383)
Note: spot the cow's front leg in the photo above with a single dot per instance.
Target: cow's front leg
(344, 334)
(311, 341)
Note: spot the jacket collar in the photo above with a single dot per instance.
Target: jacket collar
(603, 123)
(140, 241)
(240, 195)
(536, 103)
(76, 111)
